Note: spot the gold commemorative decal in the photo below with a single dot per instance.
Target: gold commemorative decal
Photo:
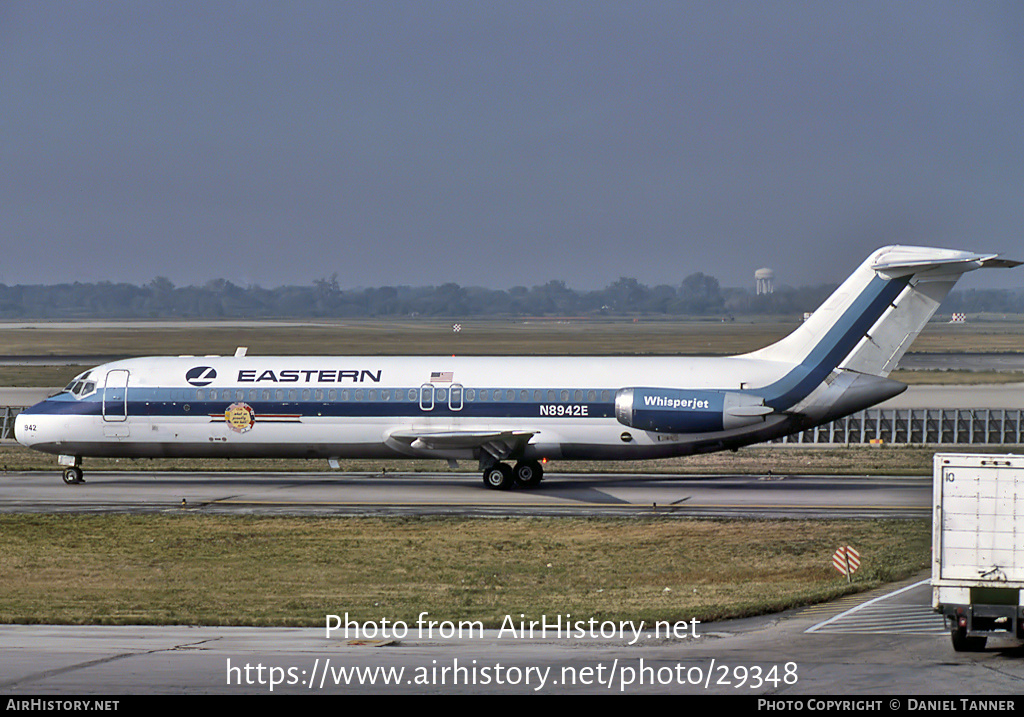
(239, 417)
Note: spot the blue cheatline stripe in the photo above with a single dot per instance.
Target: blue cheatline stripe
(343, 409)
(837, 343)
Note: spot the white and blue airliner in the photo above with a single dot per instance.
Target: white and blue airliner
(510, 414)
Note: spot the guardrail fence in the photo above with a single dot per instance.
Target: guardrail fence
(944, 426)
(7, 414)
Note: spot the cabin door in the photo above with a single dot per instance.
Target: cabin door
(115, 402)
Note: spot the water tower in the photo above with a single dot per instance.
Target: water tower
(765, 279)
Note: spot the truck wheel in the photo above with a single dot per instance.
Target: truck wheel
(963, 643)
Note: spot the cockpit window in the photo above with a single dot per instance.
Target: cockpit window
(79, 387)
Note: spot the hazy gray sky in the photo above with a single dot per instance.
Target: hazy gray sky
(504, 143)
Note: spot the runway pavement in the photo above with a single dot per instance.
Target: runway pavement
(995, 396)
(827, 651)
(465, 494)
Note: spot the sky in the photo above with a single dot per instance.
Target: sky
(502, 144)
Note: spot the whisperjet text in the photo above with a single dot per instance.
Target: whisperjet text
(663, 402)
(309, 375)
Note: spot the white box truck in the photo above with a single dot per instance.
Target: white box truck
(978, 546)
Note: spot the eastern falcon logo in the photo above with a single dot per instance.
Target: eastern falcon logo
(201, 375)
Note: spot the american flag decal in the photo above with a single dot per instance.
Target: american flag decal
(441, 376)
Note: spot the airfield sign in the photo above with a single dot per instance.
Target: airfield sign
(846, 560)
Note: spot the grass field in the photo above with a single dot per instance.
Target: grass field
(195, 569)
(580, 337)
(598, 337)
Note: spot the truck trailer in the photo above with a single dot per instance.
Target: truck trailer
(978, 546)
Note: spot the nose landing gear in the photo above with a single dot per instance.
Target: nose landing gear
(72, 469)
(73, 475)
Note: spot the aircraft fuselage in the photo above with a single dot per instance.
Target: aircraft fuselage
(495, 409)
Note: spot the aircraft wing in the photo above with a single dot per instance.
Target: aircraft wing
(500, 444)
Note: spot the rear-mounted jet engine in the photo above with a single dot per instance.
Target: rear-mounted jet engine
(671, 410)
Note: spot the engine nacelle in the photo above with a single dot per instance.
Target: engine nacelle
(674, 410)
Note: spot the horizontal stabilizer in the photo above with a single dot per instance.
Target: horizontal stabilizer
(896, 261)
(997, 263)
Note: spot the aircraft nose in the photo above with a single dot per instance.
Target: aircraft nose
(19, 429)
(25, 429)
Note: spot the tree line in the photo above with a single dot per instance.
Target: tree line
(697, 295)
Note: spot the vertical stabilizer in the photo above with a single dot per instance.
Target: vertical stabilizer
(869, 322)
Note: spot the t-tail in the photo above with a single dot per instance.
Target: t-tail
(844, 352)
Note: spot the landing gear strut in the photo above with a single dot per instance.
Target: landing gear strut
(499, 476)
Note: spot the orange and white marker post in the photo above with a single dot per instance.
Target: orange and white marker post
(846, 560)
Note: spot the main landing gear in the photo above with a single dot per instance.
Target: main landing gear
(527, 474)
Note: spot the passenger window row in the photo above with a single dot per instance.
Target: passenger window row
(506, 395)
